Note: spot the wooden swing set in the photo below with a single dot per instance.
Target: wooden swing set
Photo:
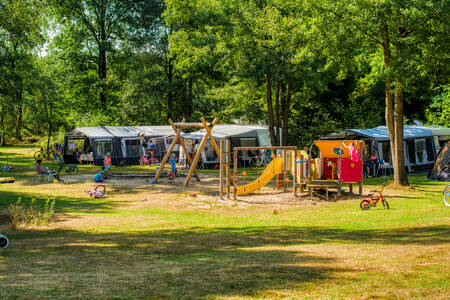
(178, 129)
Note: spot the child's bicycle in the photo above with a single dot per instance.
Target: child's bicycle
(64, 168)
(447, 195)
(52, 153)
(372, 199)
(98, 192)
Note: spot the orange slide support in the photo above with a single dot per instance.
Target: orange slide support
(275, 167)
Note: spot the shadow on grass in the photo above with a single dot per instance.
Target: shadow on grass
(63, 204)
(184, 263)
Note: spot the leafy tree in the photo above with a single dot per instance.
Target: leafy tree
(439, 111)
(100, 25)
(403, 32)
(20, 36)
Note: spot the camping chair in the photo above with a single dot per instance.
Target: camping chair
(384, 168)
(45, 176)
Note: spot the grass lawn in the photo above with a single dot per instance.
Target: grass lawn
(149, 242)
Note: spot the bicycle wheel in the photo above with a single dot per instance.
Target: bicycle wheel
(101, 188)
(385, 204)
(447, 195)
(4, 242)
(75, 170)
(365, 205)
(39, 155)
(51, 155)
(72, 170)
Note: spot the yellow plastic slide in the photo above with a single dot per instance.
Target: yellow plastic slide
(272, 169)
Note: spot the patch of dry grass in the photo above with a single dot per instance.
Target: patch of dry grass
(155, 241)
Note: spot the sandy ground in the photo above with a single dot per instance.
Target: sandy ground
(207, 190)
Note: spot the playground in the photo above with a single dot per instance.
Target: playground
(167, 241)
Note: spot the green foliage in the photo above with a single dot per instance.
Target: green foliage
(31, 214)
(439, 111)
(179, 58)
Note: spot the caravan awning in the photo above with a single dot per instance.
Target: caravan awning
(380, 133)
(230, 131)
(120, 131)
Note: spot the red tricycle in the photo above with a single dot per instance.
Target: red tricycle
(372, 199)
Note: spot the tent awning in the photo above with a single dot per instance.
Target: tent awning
(380, 133)
(120, 131)
(227, 131)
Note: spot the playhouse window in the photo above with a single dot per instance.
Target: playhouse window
(103, 147)
(133, 148)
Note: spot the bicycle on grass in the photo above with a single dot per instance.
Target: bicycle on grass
(447, 195)
(52, 153)
(372, 199)
(68, 169)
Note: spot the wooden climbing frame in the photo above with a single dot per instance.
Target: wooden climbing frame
(178, 129)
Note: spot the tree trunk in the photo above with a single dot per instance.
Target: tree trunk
(187, 105)
(277, 113)
(389, 112)
(49, 136)
(102, 54)
(400, 174)
(19, 124)
(270, 109)
(2, 124)
(394, 117)
(102, 76)
(170, 107)
(283, 107)
(286, 113)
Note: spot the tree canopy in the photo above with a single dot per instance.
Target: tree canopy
(307, 67)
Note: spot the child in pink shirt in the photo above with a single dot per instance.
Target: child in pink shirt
(107, 162)
(354, 155)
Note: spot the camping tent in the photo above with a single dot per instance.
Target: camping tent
(122, 142)
(239, 136)
(441, 168)
(418, 141)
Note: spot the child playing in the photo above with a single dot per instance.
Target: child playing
(173, 161)
(100, 175)
(44, 170)
(354, 155)
(107, 162)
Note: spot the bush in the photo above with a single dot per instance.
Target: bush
(31, 214)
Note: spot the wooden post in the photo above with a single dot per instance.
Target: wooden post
(235, 165)
(221, 170)
(208, 132)
(284, 168)
(302, 158)
(294, 165)
(184, 148)
(227, 170)
(361, 157)
(166, 157)
(199, 152)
